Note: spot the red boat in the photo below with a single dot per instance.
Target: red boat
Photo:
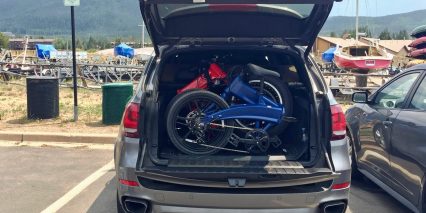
(419, 43)
(418, 54)
(362, 58)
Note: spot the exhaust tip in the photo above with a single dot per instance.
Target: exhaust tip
(136, 205)
(334, 207)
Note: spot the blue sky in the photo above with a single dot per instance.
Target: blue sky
(377, 7)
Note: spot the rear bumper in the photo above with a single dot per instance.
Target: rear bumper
(173, 201)
(193, 201)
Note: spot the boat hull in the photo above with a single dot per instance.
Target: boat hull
(364, 64)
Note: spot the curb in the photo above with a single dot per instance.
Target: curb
(58, 137)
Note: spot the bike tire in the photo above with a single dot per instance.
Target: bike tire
(177, 104)
(280, 87)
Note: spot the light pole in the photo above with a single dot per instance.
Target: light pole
(143, 34)
(74, 65)
(72, 4)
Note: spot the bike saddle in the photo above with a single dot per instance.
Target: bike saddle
(260, 71)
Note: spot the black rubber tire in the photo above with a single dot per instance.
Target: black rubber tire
(287, 99)
(174, 108)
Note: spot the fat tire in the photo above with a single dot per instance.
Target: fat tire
(176, 104)
(287, 102)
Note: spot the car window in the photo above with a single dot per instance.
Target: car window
(393, 95)
(419, 99)
(301, 10)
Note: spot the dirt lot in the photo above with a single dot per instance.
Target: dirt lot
(13, 111)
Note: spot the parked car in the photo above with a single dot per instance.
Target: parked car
(387, 134)
(304, 167)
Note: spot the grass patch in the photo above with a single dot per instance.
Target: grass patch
(13, 107)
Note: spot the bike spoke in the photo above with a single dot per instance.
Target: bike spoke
(197, 107)
(186, 136)
(181, 118)
(183, 124)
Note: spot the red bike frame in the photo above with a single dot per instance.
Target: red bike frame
(201, 82)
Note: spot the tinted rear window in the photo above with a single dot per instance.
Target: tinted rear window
(296, 10)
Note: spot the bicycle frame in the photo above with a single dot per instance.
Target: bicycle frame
(201, 82)
(259, 107)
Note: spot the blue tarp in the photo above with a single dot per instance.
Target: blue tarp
(124, 50)
(44, 50)
(328, 55)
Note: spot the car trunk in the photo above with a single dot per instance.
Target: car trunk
(298, 160)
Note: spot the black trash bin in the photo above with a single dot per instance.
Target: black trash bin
(42, 97)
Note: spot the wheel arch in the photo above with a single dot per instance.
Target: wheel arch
(354, 136)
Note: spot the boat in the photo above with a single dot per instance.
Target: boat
(419, 43)
(419, 32)
(418, 54)
(360, 57)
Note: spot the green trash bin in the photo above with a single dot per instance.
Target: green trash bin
(114, 99)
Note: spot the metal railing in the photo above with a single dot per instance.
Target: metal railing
(97, 74)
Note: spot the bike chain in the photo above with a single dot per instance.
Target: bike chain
(232, 139)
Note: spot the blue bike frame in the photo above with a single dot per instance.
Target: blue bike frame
(258, 107)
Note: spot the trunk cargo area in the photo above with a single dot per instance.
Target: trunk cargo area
(298, 160)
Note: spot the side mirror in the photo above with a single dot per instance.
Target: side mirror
(360, 97)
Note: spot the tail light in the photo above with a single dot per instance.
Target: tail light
(129, 182)
(340, 186)
(338, 122)
(131, 120)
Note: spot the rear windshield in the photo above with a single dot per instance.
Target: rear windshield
(295, 10)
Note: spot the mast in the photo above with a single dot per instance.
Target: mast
(25, 49)
(357, 21)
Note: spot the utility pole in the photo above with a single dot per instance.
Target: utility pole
(143, 34)
(357, 21)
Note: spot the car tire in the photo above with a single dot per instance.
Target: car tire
(120, 208)
(352, 157)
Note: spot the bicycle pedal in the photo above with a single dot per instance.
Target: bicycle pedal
(276, 142)
(234, 140)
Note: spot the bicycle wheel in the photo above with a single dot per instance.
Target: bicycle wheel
(278, 91)
(184, 114)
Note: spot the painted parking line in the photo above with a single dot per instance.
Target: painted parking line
(58, 204)
(57, 144)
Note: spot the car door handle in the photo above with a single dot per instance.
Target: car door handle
(387, 123)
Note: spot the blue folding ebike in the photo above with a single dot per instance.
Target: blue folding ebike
(200, 122)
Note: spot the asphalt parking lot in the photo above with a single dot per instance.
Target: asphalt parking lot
(38, 178)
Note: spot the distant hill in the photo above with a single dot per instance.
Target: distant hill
(107, 18)
(394, 23)
(120, 18)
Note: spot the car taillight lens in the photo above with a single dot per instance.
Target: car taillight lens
(338, 122)
(129, 182)
(131, 120)
(341, 186)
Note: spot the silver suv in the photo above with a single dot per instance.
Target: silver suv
(306, 168)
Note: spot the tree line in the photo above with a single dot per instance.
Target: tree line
(384, 35)
(93, 43)
(90, 43)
